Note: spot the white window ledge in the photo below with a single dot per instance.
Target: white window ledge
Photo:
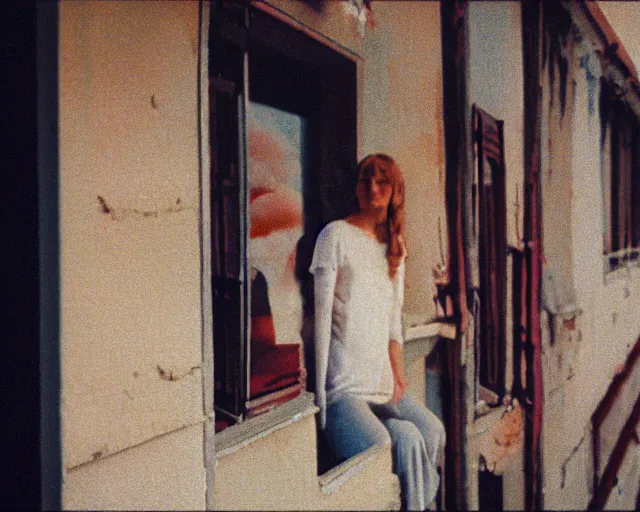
(430, 330)
(238, 436)
(420, 340)
(333, 479)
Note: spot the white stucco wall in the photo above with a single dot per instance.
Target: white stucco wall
(163, 474)
(130, 256)
(496, 85)
(587, 359)
(400, 113)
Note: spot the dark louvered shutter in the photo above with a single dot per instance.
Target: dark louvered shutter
(488, 133)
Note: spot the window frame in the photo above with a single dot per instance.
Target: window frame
(620, 147)
(253, 28)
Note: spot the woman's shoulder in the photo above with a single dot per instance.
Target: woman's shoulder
(333, 236)
(329, 246)
(332, 230)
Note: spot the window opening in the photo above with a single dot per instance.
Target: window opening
(282, 103)
(490, 490)
(621, 179)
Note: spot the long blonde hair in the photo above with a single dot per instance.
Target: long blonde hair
(394, 236)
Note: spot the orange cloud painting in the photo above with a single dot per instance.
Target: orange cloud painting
(275, 211)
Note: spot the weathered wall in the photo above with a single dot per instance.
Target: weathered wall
(278, 472)
(130, 257)
(625, 493)
(164, 473)
(400, 113)
(131, 269)
(580, 363)
(496, 85)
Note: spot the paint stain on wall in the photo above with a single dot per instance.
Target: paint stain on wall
(592, 83)
(122, 213)
(170, 376)
(100, 452)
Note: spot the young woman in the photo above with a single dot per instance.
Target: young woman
(358, 268)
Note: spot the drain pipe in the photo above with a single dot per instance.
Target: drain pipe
(457, 137)
(532, 12)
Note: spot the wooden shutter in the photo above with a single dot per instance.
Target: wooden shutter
(623, 192)
(488, 134)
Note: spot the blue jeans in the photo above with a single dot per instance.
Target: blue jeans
(416, 435)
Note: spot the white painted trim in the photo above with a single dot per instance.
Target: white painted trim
(336, 477)
(205, 212)
(430, 330)
(239, 436)
(206, 293)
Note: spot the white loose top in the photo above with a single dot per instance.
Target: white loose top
(357, 311)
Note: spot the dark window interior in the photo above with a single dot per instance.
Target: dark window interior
(622, 186)
(490, 491)
(295, 74)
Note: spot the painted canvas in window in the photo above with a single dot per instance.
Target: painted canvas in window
(276, 226)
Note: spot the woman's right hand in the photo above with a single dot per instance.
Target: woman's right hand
(399, 387)
(396, 356)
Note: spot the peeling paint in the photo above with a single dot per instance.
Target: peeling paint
(168, 375)
(360, 12)
(504, 440)
(121, 213)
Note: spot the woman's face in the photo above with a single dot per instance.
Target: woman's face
(373, 191)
